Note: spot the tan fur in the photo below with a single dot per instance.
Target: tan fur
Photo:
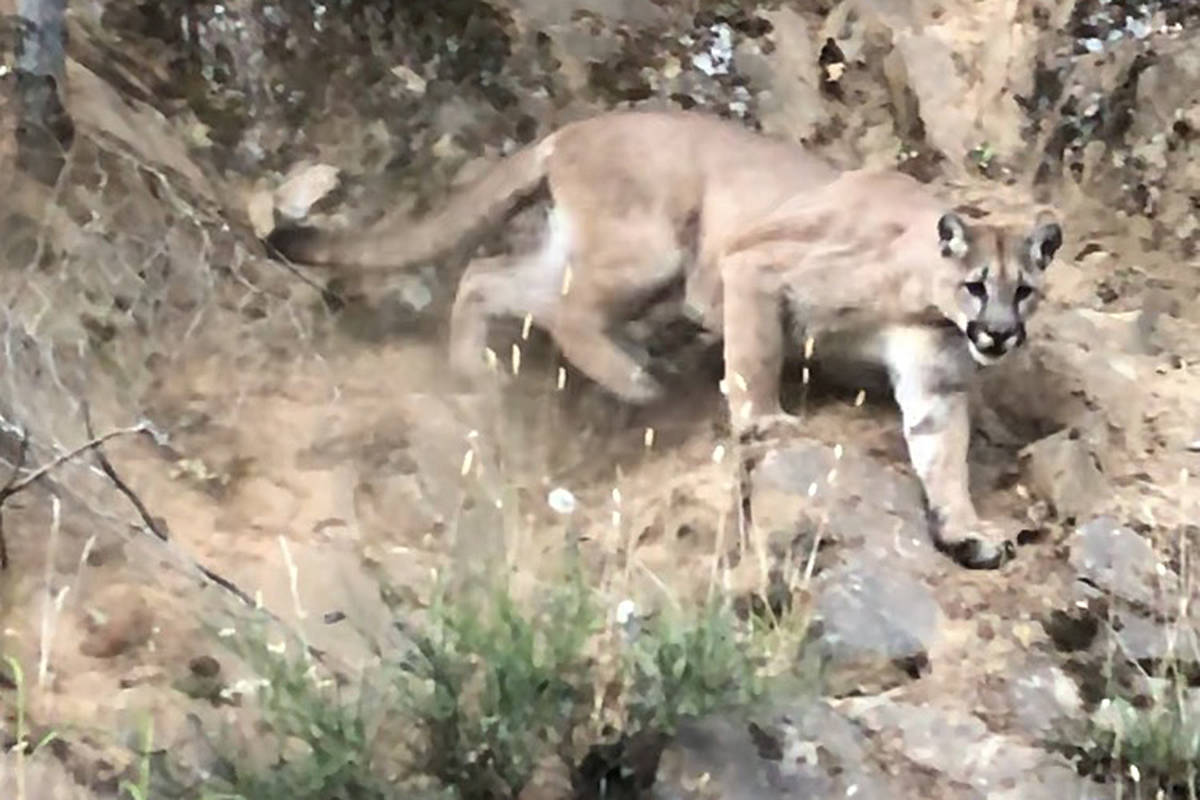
(867, 262)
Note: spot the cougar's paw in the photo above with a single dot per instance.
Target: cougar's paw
(974, 546)
(766, 427)
(975, 553)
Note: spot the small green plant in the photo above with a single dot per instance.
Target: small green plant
(982, 155)
(322, 742)
(22, 748)
(1156, 745)
(496, 688)
(141, 789)
(1148, 738)
(690, 665)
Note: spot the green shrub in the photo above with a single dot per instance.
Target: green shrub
(493, 687)
(322, 741)
(496, 689)
(1155, 745)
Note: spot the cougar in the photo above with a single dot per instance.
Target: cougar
(870, 267)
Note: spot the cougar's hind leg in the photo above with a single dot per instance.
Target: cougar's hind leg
(616, 265)
(583, 336)
(492, 287)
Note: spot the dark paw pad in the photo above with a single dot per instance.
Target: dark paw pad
(1031, 536)
(973, 553)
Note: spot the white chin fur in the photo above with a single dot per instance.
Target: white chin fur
(982, 358)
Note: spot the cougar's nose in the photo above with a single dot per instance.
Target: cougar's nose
(994, 340)
(1011, 337)
(1003, 336)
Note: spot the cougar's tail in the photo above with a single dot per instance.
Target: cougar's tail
(395, 244)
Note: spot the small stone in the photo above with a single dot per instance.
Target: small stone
(1120, 561)
(412, 81)
(1062, 469)
(204, 666)
(260, 208)
(306, 184)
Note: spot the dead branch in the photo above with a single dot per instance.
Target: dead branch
(58, 461)
(106, 466)
(156, 527)
(16, 483)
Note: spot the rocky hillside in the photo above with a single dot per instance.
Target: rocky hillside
(278, 439)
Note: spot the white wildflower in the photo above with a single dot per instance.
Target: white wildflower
(561, 500)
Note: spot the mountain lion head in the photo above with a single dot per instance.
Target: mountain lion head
(997, 281)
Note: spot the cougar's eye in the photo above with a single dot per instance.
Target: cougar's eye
(1022, 292)
(976, 289)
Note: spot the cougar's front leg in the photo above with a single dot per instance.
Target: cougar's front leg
(754, 341)
(933, 400)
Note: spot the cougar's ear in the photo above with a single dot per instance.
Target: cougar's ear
(952, 235)
(1045, 240)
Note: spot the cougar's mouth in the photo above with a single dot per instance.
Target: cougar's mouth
(982, 358)
(988, 347)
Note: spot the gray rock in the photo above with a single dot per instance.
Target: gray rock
(1063, 469)
(1140, 638)
(870, 610)
(961, 749)
(1042, 697)
(1121, 562)
(814, 750)
(870, 508)
(718, 759)
(805, 751)
(874, 610)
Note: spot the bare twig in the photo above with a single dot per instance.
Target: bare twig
(326, 293)
(91, 444)
(16, 483)
(152, 524)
